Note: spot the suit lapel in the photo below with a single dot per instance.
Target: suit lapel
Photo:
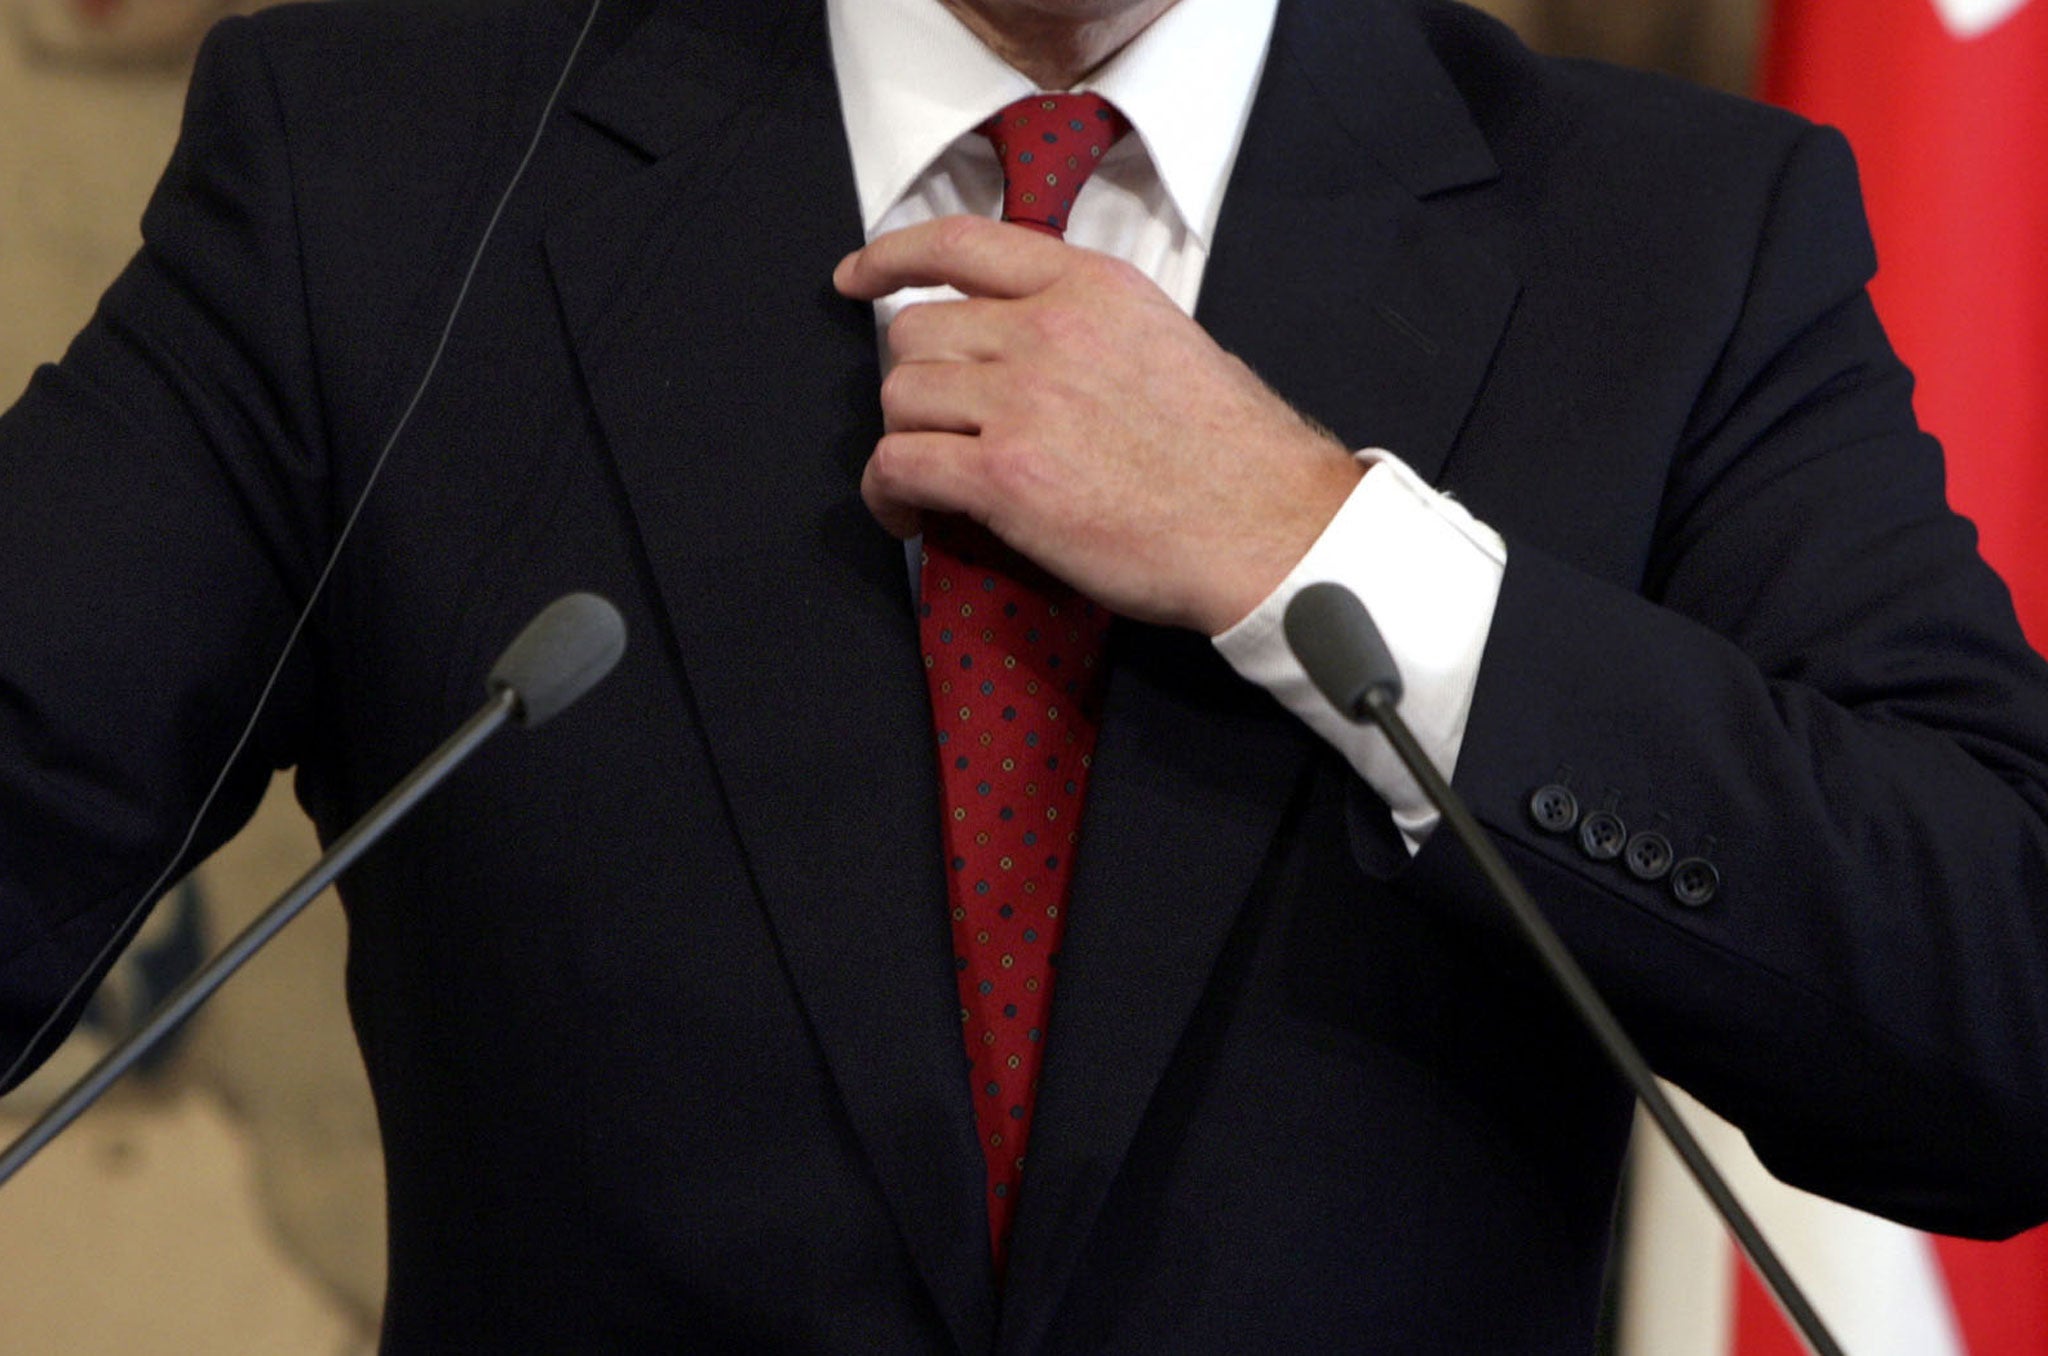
(1331, 279)
(1333, 274)
(738, 395)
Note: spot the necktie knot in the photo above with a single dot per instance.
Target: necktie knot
(1049, 144)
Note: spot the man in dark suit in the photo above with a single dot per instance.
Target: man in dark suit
(659, 1005)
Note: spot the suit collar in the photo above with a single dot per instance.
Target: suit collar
(913, 80)
(689, 65)
(1369, 61)
(1373, 74)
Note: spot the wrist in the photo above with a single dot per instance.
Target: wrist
(1279, 545)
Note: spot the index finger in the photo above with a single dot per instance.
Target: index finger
(981, 258)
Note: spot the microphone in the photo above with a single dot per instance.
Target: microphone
(1344, 654)
(1346, 657)
(560, 655)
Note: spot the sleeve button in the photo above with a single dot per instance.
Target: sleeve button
(1602, 835)
(1695, 881)
(1649, 856)
(1554, 808)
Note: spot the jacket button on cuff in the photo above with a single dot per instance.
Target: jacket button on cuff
(1649, 856)
(1602, 836)
(1695, 881)
(1555, 809)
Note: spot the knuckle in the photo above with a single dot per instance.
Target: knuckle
(1029, 390)
(884, 463)
(911, 324)
(888, 471)
(1118, 273)
(954, 236)
(1006, 464)
(1058, 325)
(898, 386)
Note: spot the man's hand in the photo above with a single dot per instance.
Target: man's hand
(1071, 407)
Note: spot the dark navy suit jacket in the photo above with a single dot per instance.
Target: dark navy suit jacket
(658, 1003)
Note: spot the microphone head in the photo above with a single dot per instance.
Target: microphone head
(560, 655)
(1345, 656)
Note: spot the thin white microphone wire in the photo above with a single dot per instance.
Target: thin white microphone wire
(156, 887)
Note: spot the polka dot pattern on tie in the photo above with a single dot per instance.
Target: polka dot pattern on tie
(1014, 677)
(1014, 666)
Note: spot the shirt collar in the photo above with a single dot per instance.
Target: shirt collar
(913, 79)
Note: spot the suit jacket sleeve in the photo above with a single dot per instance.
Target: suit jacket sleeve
(1819, 689)
(160, 521)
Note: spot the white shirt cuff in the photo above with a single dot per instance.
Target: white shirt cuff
(1429, 572)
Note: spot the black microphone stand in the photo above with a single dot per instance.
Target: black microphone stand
(560, 655)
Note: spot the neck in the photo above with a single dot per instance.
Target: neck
(1056, 42)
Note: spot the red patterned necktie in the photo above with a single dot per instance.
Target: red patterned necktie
(1013, 660)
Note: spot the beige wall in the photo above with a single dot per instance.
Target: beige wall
(234, 1206)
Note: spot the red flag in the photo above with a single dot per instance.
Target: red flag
(1946, 104)
(1997, 1304)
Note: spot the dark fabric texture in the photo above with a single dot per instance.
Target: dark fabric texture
(657, 1002)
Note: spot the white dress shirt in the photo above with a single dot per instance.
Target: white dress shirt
(914, 83)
